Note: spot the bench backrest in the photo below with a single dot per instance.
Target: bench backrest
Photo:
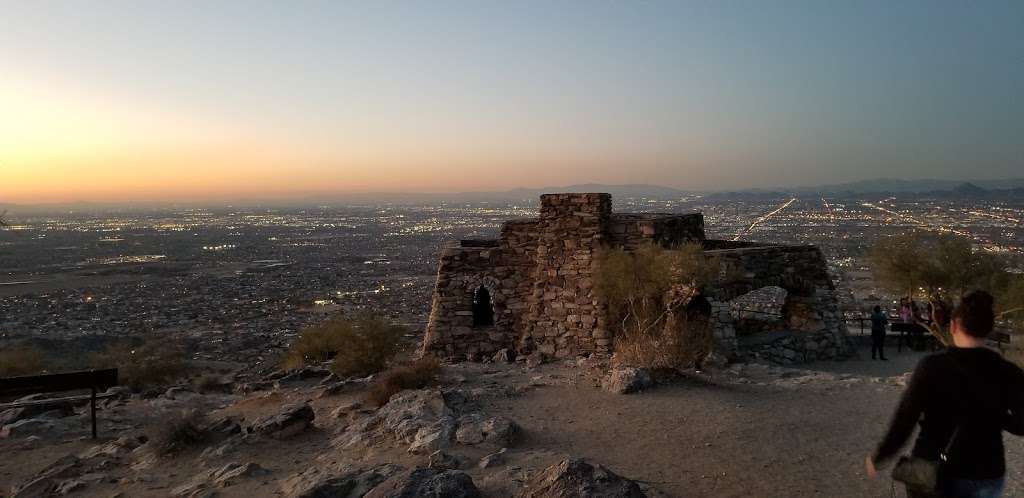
(1000, 336)
(31, 384)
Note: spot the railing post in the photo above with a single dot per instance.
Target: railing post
(92, 409)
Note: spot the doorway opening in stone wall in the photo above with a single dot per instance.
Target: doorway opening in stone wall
(759, 311)
(483, 308)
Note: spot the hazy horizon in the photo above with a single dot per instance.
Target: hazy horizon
(150, 101)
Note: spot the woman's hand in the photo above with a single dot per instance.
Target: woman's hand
(869, 467)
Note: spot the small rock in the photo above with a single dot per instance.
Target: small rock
(493, 460)
(504, 355)
(291, 420)
(346, 409)
(441, 461)
(69, 486)
(315, 483)
(180, 393)
(627, 380)
(426, 483)
(232, 472)
(575, 478)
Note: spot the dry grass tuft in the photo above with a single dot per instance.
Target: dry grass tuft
(21, 360)
(417, 375)
(151, 363)
(177, 432)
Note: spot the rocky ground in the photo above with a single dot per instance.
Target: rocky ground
(493, 430)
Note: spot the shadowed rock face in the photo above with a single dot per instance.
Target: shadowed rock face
(316, 483)
(291, 420)
(538, 276)
(426, 483)
(575, 478)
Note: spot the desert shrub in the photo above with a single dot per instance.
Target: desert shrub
(356, 346)
(154, 362)
(941, 269)
(177, 431)
(651, 295)
(21, 360)
(417, 375)
(684, 343)
(210, 382)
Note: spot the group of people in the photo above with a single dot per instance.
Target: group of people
(963, 399)
(910, 313)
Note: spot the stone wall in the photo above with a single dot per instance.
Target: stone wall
(813, 321)
(505, 269)
(565, 318)
(539, 276)
(630, 230)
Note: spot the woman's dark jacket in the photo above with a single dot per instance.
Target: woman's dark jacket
(974, 389)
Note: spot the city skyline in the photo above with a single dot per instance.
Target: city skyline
(133, 101)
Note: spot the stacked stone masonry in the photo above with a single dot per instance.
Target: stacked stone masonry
(538, 277)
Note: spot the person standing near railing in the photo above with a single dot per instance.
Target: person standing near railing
(906, 311)
(878, 322)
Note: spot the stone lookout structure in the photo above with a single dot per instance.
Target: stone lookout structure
(532, 288)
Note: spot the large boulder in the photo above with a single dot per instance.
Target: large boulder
(349, 483)
(426, 483)
(420, 419)
(475, 428)
(425, 421)
(53, 409)
(627, 380)
(291, 420)
(575, 478)
(46, 482)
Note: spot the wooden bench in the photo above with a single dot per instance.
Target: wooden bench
(1000, 338)
(909, 331)
(94, 380)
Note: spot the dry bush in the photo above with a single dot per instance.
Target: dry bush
(210, 382)
(357, 346)
(417, 375)
(21, 360)
(681, 344)
(651, 296)
(152, 363)
(177, 432)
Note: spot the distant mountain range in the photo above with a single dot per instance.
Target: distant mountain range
(896, 185)
(880, 186)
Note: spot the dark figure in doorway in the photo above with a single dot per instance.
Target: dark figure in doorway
(878, 323)
(483, 309)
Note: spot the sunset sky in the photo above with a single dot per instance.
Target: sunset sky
(157, 100)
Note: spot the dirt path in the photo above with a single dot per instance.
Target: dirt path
(798, 436)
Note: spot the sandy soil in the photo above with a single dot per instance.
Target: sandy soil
(745, 431)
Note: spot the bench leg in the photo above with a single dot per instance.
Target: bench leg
(92, 410)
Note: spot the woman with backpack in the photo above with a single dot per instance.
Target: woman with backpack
(963, 399)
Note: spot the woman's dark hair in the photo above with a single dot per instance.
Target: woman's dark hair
(878, 309)
(974, 313)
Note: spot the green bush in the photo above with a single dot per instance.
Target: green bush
(417, 375)
(21, 360)
(154, 362)
(358, 346)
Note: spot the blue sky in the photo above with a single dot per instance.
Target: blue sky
(162, 99)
